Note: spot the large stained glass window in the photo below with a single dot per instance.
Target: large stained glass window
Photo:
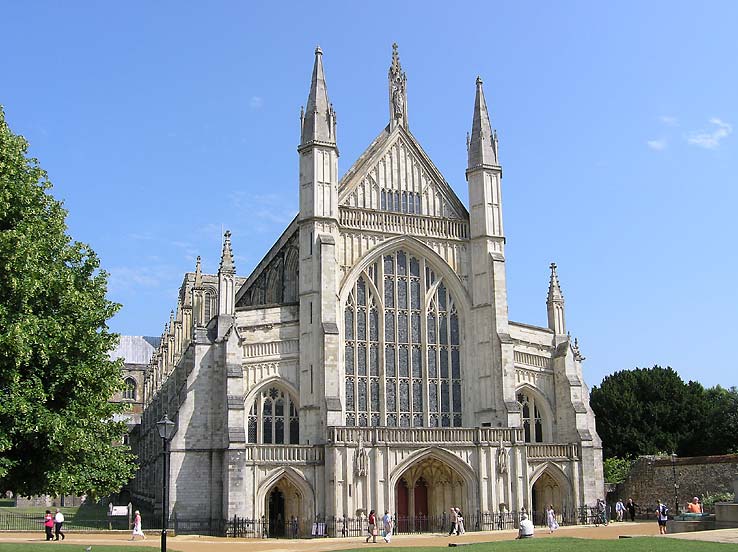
(402, 360)
(273, 419)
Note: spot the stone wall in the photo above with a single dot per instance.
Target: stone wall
(652, 478)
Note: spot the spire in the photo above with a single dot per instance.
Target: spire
(554, 289)
(198, 273)
(555, 304)
(397, 91)
(482, 146)
(318, 118)
(226, 259)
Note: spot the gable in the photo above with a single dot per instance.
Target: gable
(395, 174)
(274, 281)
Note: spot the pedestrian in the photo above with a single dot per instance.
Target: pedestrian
(631, 507)
(602, 511)
(694, 507)
(387, 522)
(372, 527)
(551, 519)
(662, 515)
(459, 522)
(137, 531)
(454, 519)
(619, 509)
(526, 529)
(49, 525)
(58, 522)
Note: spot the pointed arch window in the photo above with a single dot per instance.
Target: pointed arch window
(273, 418)
(531, 415)
(129, 391)
(402, 357)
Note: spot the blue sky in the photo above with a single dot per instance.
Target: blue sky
(162, 122)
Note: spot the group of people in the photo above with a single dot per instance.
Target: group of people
(622, 509)
(386, 527)
(53, 525)
(457, 522)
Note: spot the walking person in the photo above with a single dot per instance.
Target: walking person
(631, 507)
(49, 525)
(619, 509)
(137, 531)
(387, 522)
(551, 519)
(372, 527)
(459, 522)
(454, 520)
(58, 522)
(662, 515)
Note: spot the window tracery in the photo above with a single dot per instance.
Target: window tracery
(129, 391)
(273, 419)
(402, 359)
(531, 415)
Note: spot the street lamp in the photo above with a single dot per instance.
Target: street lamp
(676, 484)
(166, 429)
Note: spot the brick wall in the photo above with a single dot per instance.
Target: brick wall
(652, 478)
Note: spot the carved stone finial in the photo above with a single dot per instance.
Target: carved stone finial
(398, 96)
(318, 51)
(575, 349)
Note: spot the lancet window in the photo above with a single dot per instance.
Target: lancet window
(402, 347)
(400, 201)
(532, 419)
(273, 419)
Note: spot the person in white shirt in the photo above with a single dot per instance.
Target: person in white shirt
(58, 521)
(387, 522)
(526, 529)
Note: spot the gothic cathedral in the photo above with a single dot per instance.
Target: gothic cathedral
(368, 361)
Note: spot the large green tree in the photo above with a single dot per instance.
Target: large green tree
(652, 410)
(57, 428)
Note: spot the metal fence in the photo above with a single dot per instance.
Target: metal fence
(12, 521)
(294, 528)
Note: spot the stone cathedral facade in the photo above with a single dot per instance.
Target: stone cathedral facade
(368, 361)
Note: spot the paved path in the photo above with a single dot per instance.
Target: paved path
(194, 543)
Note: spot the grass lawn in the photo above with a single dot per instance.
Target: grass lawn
(565, 544)
(45, 546)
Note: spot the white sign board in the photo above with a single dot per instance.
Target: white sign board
(119, 511)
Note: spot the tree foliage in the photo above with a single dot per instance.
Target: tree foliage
(616, 469)
(57, 428)
(652, 411)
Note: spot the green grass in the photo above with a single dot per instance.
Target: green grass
(44, 546)
(565, 544)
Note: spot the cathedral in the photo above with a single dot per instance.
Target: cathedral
(368, 361)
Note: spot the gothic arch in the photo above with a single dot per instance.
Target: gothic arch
(297, 480)
(272, 413)
(555, 473)
(543, 403)
(462, 469)
(411, 245)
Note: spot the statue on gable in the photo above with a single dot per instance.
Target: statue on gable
(397, 103)
(361, 460)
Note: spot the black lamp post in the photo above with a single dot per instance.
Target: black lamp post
(166, 429)
(676, 484)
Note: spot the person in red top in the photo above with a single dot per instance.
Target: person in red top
(372, 527)
(49, 525)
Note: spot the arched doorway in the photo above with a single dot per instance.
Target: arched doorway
(283, 507)
(425, 492)
(547, 491)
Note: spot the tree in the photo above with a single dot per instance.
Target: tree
(57, 426)
(714, 423)
(645, 411)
